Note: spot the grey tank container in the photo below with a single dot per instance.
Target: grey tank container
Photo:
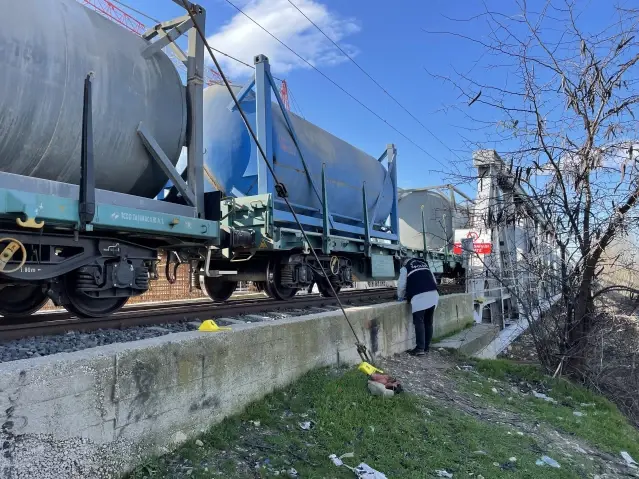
(47, 47)
(440, 216)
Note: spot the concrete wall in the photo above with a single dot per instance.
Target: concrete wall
(96, 413)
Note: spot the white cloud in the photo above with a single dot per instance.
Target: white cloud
(243, 39)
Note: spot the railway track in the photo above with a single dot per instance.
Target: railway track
(146, 315)
(59, 322)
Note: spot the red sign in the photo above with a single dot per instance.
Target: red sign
(480, 245)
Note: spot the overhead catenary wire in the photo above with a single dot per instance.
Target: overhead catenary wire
(280, 188)
(142, 14)
(374, 81)
(370, 110)
(157, 21)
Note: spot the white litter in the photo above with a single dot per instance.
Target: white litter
(307, 425)
(544, 397)
(547, 461)
(442, 473)
(629, 460)
(578, 413)
(363, 471)
(378, 389)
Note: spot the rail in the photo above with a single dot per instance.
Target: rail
(150, 314)
(58, 322)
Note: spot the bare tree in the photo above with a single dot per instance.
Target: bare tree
(563, 115)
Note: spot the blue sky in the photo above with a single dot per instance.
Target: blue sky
(386, 38)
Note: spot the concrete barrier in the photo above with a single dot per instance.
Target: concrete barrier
(96, 413)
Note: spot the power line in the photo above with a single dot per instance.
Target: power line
(156, 21)
(142, 14)
(373, 80)
(331, 80)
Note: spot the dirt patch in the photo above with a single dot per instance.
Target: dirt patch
(437, 376)
(522, 349)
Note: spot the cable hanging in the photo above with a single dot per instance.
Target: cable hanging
(280, 188)
(374, 81)
(155, 20)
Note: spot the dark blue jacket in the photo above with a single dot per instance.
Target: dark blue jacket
(419, 278)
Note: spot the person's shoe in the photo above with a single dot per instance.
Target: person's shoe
(416, 352)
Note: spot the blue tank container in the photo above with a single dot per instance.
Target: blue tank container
(231, 160)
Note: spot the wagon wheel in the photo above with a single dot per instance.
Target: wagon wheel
(85, 306)
(18, 300)
(219, 291)
(272, 285)
(325, 289)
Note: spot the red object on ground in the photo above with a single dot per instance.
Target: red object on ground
(388, 381)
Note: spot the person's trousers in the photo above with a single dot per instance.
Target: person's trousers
(423, 321)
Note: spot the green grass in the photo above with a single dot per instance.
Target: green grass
(405, 437)
(602, 425)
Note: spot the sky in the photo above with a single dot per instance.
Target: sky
(388, 40)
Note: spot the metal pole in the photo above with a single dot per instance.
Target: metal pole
(282, 193)
(195, 101)
(424, 232)
(263, 124)
(391, 153)
(86, 204)
(445, 234)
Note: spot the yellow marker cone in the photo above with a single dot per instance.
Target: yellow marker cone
(368, 369)
(211, 326)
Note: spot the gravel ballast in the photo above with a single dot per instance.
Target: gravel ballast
(37, 346)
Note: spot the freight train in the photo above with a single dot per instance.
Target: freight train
(93, 120)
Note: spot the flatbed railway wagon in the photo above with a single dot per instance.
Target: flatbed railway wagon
(344, 199)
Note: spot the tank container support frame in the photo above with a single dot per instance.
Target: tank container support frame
(328, 231)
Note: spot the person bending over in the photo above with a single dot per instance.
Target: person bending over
(418, 285)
